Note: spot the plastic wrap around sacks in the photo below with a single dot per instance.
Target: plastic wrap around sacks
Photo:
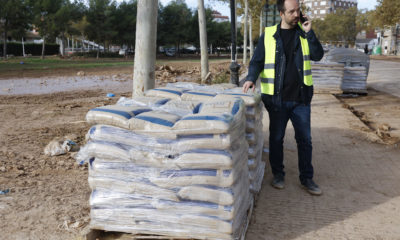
(254, 134)
(256, 177)
(150, 102)
(114, 115)
(180, 144)
(101, 198)
(150, 221)
(150, 185)
(190, 209)
(166, 92)
(201, 96)
(193, 183)
(144, 156)
(157, 123)
(214, 117)
(180, 107)
(168, 177)
(215, 88)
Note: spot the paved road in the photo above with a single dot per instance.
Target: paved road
(360, 180)
(384, 76)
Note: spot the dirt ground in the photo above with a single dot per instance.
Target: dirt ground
(48, 196)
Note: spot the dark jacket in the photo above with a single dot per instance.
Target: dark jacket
(258, 59)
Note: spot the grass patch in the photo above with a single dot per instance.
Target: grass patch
(35, 63)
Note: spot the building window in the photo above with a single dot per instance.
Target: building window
(315, 12)
(322, 11)
(315, 3)
(323, 3)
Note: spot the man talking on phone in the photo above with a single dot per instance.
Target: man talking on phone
(282, 60)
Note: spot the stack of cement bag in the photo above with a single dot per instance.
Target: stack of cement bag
(254, 134)
(327, 77)
(355, 71)
(254, 126)
(355, 80)
(155, 170)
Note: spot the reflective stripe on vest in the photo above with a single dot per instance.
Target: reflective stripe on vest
(268, 74)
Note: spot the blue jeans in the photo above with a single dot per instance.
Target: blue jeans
(300, 115)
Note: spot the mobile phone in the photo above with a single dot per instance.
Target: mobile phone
(302, 18)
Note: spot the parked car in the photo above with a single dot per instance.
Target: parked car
(126, 52)
(170, 52)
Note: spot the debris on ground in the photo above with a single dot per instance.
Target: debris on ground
(61, 146)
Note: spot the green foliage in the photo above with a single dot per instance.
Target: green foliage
(45, 14)
(100, 18)
(108, 22)
(174, 24)
(15, 16)
(387, 13)
(337, 27)
(218, 34)
(125, 24)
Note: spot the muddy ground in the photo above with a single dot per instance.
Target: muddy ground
(48, 196)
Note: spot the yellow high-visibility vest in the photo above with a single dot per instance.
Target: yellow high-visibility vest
(268, 74)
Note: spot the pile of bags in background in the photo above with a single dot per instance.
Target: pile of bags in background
(180, 162)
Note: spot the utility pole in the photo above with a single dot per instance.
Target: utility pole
(145, 47)
(234, 67)
(203, 41)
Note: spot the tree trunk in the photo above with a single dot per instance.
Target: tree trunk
(5, 41)
(145, 47)
(251, 35)
(43, 47)
(261, 22)
(62, 45)
(246, 12)
(203, 40)
(23, 47)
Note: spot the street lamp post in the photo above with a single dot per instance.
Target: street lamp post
(234, 67)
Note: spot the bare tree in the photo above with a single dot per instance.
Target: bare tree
(203, 41)
(145, 47)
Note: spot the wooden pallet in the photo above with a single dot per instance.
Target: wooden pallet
(98, 234)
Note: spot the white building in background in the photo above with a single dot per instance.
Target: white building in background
(217, 17)
(320, 8)
(389, 39)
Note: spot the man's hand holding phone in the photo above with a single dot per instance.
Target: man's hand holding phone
(305, 22)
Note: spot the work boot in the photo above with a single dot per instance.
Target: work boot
(278, 182)
(311, 187)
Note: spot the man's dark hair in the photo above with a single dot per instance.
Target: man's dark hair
(281, 5)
